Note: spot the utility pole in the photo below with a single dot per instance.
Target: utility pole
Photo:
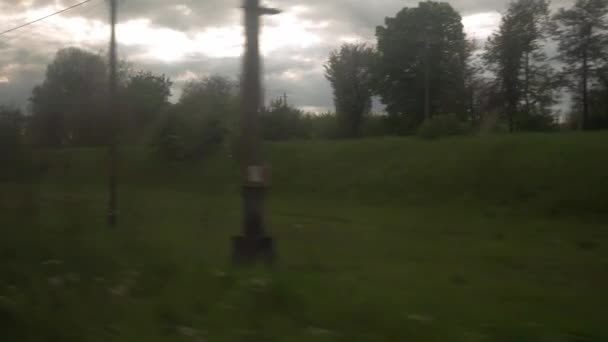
(427, 71)
(112, 126)
(427, 82)
(254, 244)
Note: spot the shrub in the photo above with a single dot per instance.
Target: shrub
(14, 154)
(213, 134)
(374, 125)
(283, 122)
(167, 141)
(182, 137)
(10, 133)
(442, 126)
(536, 122)
(323, 126)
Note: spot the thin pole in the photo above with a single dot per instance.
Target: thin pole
(251, 84)
(427, 84)
(427, 72)
(585, 121)
(112, 184)
(254, 243)
(253, 189)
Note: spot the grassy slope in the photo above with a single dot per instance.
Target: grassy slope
(550, 173)
(467, 239)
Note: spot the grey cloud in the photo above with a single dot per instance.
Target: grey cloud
(162, 12)
(24, 56)
(24, 67)
(313, 92)
(345, 18)
(310, 89)
(22, 80)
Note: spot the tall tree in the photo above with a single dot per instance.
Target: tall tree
(480, 92)
(209, 96)
(581, 32)
(598, 101)
(200, 121)
(349, 70)
(422, 60)
(516, 56)
(146, 96)
(67, 108)
(421, 69)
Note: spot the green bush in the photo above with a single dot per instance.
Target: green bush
(536, 122)
(11, 121)
(16, 161)
(443, 126)
(323, 126)
(374, 125)
(201, 121)
(281, 121)
(181, 138)
(167, 141)
(13, 154)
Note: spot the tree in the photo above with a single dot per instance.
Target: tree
(598, 101)
(68, 107)
(581, 32)
(422, 60)
(477, 87)
(482, 98)
(200, 121)
(349, 70)
(209, 96)
(515, 54)
(146, 96)
(11, 133)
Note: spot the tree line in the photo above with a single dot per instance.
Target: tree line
(431, 79)
(70, 108)
(428, 74)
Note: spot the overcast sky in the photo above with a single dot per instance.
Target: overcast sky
(189, 38)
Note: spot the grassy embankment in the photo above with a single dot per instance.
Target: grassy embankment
(464, 239)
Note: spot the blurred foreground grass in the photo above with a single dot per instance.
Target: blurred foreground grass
(446, 267)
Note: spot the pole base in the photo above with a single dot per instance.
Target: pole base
(247, 250)
(112, 219)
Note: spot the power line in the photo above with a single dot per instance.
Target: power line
(10, 38)
(45, 17)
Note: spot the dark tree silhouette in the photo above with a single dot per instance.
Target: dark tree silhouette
(11, 132)
(68, 108)
(583, 47)
(515, 54)
(349, 70)
(280, 121)
(422, 59)
(200, 121)
(145, 97)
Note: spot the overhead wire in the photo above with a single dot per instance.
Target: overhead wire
(45, 17)
(83, 11)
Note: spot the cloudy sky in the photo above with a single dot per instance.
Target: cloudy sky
(189, 38)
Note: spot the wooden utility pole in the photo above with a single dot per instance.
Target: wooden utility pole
(112, 121)
(427, 39)
(254, 244)
(427, 82)
(585, 86)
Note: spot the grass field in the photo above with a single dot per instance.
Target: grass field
(498, 238)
